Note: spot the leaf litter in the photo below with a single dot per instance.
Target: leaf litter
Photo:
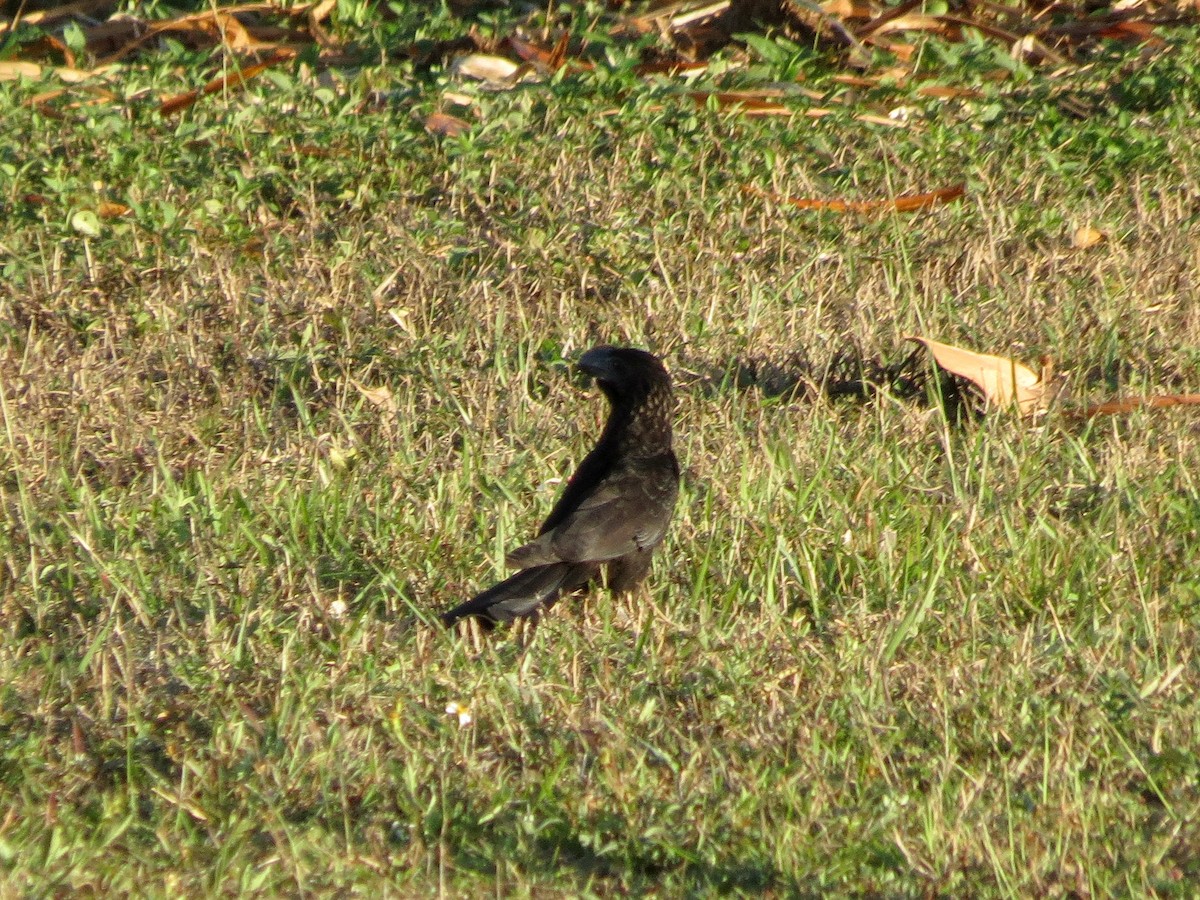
(679, 40)
(874, 44)
(688, 33)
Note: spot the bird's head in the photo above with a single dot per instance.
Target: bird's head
(624, 373)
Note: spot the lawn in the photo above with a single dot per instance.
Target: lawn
(284, 373)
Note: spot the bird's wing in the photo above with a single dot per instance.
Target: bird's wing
(626, 513)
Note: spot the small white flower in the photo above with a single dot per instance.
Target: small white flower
(462, 711)
(338, 609)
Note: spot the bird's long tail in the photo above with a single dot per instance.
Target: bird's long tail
(525, 593)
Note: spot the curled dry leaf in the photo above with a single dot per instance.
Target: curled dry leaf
(1001, 379)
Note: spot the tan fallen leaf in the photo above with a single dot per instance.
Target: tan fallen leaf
(446, 125)
(942, 92)
(496, 71)
(849, 9)
(1001, 379)
(12, 69)
(233, 33)
(379, 396)
(913, 23)
(1086, 236)
(547, 60)
(902, 51)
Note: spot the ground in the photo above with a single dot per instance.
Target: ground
(307, 391)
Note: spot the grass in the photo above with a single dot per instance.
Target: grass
(319, 380)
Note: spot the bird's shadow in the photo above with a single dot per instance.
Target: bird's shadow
(849, 375)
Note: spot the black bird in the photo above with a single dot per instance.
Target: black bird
(615, 509)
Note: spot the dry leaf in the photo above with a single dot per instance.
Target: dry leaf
(12, 69)
(320, 12)
(232, 80)
(670, 67)
(1133, 31)
(1033, 52)
(894, 12)
(379, 396)
(913, 23)
(748, 103)
(903, 52)
(46, 16)
(233, 33)
(941, 92)
(495, 70)
(546, 60)
(857, 81)
(316, 16)
(110, 210)
(446, 125)
(681, 20)
(122, 36)
(906, 203)
(848, 9)
(1002, 380)
(1129, 404)
(1086, 236)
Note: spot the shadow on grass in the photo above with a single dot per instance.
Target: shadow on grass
(624, 863)
(848, 375)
